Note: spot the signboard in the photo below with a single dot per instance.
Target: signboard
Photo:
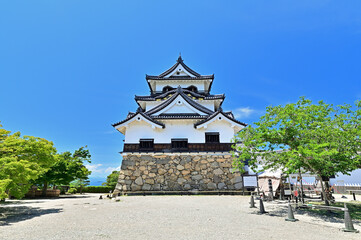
(287, 192)
(250, 181)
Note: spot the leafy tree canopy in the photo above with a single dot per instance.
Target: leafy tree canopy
(66, 168)
(112, 179)
(22, 160)
(319, 138)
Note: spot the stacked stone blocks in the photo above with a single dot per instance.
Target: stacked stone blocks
(178, 172)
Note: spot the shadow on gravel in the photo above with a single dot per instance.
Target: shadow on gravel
(74, 196)
(56, 198)
(9, 215)
(281, 211)
(331, 217)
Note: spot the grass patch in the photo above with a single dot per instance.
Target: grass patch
(353, 207)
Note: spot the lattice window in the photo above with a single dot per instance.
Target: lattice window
(212, 137)
(146, 144)
(179, 144)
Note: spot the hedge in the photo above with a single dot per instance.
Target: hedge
(96, 189)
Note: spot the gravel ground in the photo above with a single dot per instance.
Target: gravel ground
(160, 217)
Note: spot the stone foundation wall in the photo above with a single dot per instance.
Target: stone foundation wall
(172, 172)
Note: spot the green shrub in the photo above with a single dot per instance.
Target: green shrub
(97, 189)
(72, 190)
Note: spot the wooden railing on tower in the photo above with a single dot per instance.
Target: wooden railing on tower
(192, 147)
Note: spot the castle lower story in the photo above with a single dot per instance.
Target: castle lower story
(178, 172)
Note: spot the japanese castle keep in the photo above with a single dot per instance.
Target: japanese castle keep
(179, 138)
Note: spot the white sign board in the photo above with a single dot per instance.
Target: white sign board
(250, 181)
(287, 192)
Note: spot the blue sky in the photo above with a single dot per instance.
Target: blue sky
(68, 69)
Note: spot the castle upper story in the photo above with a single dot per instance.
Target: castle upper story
(179, 115)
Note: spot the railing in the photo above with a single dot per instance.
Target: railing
(192, 147)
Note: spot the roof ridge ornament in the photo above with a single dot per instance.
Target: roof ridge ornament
(179, 89)
(180, 60)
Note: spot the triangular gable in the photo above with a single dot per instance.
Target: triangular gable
(220, 116)
(179, 105)
(179, 71)
(180, 99)
(121, 126)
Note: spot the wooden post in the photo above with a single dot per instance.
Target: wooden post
(257, 184)
(303, 200)
(289, 184)
(242, 184)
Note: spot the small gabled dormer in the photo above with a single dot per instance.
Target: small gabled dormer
(180, 75)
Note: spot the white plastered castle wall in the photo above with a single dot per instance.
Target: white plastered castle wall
(177, 129)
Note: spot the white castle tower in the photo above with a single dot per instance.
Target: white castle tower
(179, 138)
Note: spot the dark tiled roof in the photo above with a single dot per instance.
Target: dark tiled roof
(163, 95)
(215, 114)
(179, 61)
(230, 114)
(179, 116)
(203, 77)
(179, 91)
(132, 115)
(162, 105)
(196, 75)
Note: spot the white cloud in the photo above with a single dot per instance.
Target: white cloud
(99, 170)
(243, 112)
(94, 167)
(111, 169)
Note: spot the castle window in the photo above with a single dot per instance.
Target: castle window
(192, 88)
(179, 143)
(167, 88)
(146, 144)
(212, 137)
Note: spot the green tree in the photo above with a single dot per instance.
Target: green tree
(66, 168)
(112, 179)
(317, 138)
(79, 184)
(22, 160)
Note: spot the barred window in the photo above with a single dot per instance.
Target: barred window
(212, 137)
(179, 143)
(146, 144)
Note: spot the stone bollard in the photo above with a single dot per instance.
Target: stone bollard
(290, 216)
(263, 196)
(261, 207)
(252, 202)
(348, 222)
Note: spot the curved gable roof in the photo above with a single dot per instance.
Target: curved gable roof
(179, 62)
(193, 94)
(180, 92)
(133, 115)
(212, 116)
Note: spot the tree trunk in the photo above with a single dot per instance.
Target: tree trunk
(45, 187)
(324, 192)
(8, 193)
(302, 198)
